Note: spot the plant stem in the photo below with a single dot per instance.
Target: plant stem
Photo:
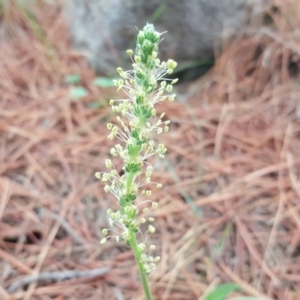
(129, 181)
(139, 262)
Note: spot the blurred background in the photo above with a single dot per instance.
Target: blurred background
(229, 212)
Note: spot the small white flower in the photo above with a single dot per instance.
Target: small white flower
(108, 163)
(151, 229)
(103, 241)
(152, 248)
(154, 205)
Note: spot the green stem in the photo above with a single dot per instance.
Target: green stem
(129, 181)
(139, 262)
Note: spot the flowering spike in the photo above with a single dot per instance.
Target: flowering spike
(144, 87)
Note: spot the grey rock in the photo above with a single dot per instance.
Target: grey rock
(104, 29)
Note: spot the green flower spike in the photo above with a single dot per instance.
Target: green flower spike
(144, 86)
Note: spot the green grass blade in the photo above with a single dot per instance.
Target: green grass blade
(222, 291)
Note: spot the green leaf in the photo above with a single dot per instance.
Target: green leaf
(72, 79)
(221, 291)
(158, 12)
(247, 298)
(95, 105)
(103, 82)
(78, 92)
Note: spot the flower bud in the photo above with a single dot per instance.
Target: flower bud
(152, 248)
(129, 52)
(141, 37)
(159, 130)
(169, 88)
(108, 163)
(154, 55)
(103, 241)
(141, 247)
(171, 64)
(154, 205)
(151, 229)
(113, 151)
(172, 98)
(118, 147)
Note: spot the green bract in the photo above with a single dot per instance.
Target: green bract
(144, 86)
